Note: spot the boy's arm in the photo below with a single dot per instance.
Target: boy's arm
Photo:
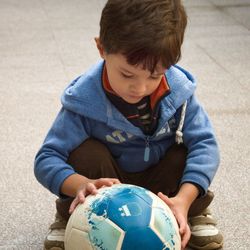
(203, 153)
(67, 132)
(72, 184)
(186, 195)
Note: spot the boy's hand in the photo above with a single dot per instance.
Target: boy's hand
(91, 187)
(180, 214)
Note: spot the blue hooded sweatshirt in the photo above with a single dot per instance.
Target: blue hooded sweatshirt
(87, 113)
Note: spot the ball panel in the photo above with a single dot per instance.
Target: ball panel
(106, 236)
(162, 225)
(159, 203)
(129, 211)
(78, 240)
(142, 238)
(80, 212)
(142, 193)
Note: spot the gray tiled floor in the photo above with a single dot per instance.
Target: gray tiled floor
(44, 44)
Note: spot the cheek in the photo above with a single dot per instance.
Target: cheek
(152, 86)
(118, 84)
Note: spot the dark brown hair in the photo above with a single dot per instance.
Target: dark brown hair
(145, 31)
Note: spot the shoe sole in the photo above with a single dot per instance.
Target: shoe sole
(210, 246)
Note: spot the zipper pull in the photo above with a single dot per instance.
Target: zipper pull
(147, 151)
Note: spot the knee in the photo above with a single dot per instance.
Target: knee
(90, 156)
(90, 151)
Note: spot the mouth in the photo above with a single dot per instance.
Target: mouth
(136, 96)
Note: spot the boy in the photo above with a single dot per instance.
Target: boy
(133, 118)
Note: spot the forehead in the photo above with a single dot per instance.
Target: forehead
(120, 61)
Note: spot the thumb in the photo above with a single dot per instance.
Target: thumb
(165, 198)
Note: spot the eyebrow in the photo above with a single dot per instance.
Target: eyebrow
(127, 71)
(155, 74)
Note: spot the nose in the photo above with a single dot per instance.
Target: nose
(138, 88)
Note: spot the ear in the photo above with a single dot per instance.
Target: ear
(99, 47)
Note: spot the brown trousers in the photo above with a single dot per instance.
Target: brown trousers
(93, 160)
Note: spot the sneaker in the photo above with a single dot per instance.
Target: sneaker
(55, 237)
(204, 234)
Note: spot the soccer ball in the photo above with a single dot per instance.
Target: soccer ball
(123, 217)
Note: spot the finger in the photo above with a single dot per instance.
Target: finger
(182, 224)
(73, 205)
(108, 182)
(165, 199)
(111, 180)
(185, 238)
(115, 181)
(91, 188)
(81, 196)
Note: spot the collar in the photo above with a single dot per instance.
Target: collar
(162, 90)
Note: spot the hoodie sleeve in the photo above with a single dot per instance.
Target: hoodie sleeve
(203, 153)
(67, 132)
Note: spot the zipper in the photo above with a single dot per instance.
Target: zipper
(147, 144)
(147, 149)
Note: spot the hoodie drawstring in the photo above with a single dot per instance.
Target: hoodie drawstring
(179, 134)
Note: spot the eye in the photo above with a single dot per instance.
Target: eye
(155, 77)
(126, 76)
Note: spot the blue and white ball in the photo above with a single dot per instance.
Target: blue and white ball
(123, 217)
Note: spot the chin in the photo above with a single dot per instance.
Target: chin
(132, 100)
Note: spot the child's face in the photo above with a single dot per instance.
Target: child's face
(131, 83)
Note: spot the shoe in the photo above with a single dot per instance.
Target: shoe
(204, 234)
(55, 237)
